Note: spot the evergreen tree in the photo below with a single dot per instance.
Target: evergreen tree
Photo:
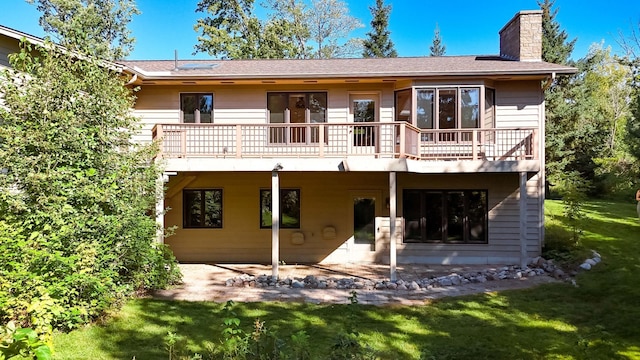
(555, 48)
(378, 44)
(561, 114)
(437, 48)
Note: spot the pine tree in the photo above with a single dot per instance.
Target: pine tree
(437, 47)
(555, 48)
(378, 44)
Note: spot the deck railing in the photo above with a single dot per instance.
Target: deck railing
(326, 140)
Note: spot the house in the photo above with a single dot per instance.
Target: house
(431, 160)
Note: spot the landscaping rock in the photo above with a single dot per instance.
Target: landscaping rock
(536, 267)
(414, 286)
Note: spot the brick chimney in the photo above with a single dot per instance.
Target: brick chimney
(521, 38)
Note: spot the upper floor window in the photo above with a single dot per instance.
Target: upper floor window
(440, 108)
(196, 107)
(297, 107)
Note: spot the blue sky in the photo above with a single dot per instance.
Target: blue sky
(467, 27)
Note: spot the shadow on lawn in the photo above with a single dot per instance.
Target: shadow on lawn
(513, 324)
(596, 320)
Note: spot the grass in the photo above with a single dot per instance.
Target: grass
(596, 320)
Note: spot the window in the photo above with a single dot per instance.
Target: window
(289, 209)
(196, 108)
(403, 105)
(489, 108)
(296, 108)
(364, 110)
(441, 108)
(202, 208)
(452, 216)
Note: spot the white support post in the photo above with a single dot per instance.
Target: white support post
(160, 209)
(392, 225)
(275, 221)
(523, 219)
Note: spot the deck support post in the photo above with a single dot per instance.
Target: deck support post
(523, 219)
(392, 226)
(162, 178)
(275, 220)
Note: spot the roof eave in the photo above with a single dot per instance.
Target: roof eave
(167, 75)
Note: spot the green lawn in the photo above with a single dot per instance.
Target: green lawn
(599, 319)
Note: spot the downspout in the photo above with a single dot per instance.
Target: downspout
(132, 80)
(549, 81)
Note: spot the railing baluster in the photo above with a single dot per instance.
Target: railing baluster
(390, 139)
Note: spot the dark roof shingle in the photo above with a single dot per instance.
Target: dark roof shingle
(343, 68)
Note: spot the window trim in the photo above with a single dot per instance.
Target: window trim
(282, 226)
(445, 216)
(300, 133)
(413, 117)
(197, 111)
(202, 208)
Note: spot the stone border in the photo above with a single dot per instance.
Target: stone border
(537, 267)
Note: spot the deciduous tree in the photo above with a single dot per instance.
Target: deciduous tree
(330, 23)
(95, 27)
(76, 195)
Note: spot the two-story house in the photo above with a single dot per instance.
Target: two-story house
(433, 160)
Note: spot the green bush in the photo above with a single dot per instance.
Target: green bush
(20, 343)
(76, 233)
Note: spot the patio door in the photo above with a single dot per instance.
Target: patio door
(364, 109)
(364, 206)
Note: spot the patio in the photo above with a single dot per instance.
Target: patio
(206, 282)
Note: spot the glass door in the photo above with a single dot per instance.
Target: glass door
(364, 109)
(365, 206)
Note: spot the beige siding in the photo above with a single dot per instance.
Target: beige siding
(504, 221)
(244, 104)
(7, 46)
(148, 118)
(325, 201)
(519, 104)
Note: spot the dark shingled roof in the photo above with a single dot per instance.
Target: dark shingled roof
(342, 68)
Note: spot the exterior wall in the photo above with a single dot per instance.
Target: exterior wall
(326, 201)
(519, 104)
(7, 46)
(504, 226)
(247, 104)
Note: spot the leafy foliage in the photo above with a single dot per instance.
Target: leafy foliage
(329, 22)
(231, 29)
(587, 115)
(75, 193)
(93, 27)
(378, 43)
(21, 343)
